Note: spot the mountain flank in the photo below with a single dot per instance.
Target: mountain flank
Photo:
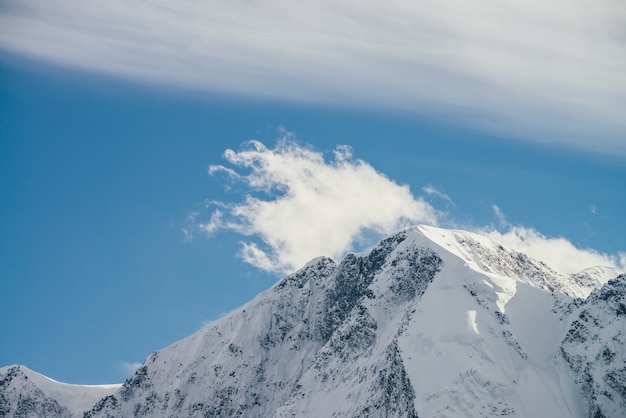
(430, 322)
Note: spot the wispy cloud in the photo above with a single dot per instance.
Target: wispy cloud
(301, 205)
(558, 252)
(500, 216)
(130, 367)
(543, 70)
(432, 191)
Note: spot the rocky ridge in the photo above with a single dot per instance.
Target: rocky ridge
(431, 322)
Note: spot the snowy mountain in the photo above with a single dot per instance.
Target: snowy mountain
(25, 393)
(594, 349)
(431, 322)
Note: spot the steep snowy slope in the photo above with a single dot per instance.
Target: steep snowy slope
(25, 393)
(595, 349)
(483, 341)
(431, 322)
(489, 257)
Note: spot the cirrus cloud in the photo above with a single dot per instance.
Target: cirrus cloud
(551, 71)
(302, 205)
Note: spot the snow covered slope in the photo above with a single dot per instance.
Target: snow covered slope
(431, 322)
(25, 393)
(595, 349)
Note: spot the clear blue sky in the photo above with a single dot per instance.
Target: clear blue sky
(99, 173)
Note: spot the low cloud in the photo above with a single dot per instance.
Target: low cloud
(552, 71)
(500, 217)
(559, 253)
(300, 204)
(130, 368)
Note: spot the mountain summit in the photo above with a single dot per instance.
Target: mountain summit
(430, 322)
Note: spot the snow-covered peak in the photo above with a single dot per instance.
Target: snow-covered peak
(595, 349)
(430, 322)
(595, 277)
(486, 255)
(45, 382)
(40, 395)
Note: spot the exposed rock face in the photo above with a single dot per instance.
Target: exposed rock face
(314, 331)
(19, 397)
(24, 393)
(594, 349)
(431, 322)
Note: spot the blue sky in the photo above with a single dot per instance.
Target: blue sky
(108, 127)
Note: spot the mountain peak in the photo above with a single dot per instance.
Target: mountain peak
(26, 393)
(488, 256)
(430, 322)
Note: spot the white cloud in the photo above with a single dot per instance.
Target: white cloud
(300, 205)
(213, 224)
(546, 70)
(432, 191)
(130, 368)
(500, 216)
(558, 253)
(310, 206)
